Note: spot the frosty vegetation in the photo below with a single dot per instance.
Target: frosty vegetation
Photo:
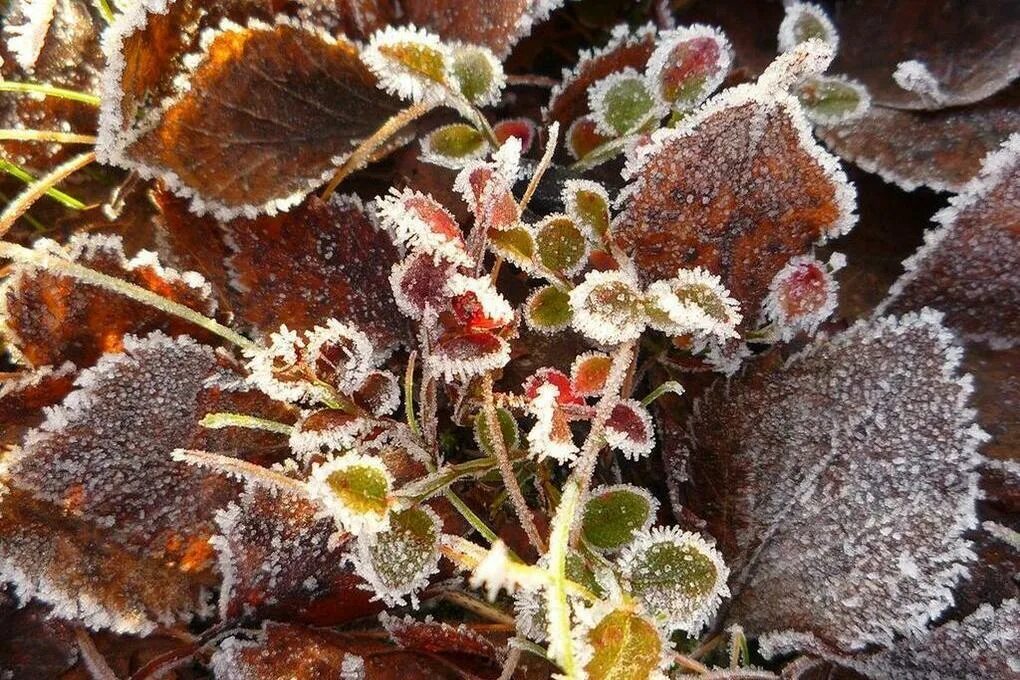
(370, 362)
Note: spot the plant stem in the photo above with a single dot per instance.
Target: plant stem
(474, 520)
(690, 663)
(18, 172)
(668, 386)
(217, 421)
(46, 136)
(543, 165)
(241, 469)
(50, 262)
(365, 150)
(105, 10)
(476, 606)
(49, 91)
(412, 422)
(37, 189)
(557, 605)
(506, 468)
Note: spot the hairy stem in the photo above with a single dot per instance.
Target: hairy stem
(506, 468)
(468, 514)
(553, 135)
(557, 605)
(242, 469)
(217, 421)
(53, 263)
(364, 152)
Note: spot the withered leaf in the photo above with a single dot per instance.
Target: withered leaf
(278, 562)
(437, 637)
(266, 116)
(49, 318)
(739, 190)
(569, 100)
(320, 261)
(969, 266)
(497, 26)
(970, 47)
(307, 654)
(100, 464)
(840, 485)
(937, 149)
(22, 398)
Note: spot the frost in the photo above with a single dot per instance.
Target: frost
(356, 490)
(913, 76)
(608, 307)
(693, 302)
(804, 21)
(478, 73)
(688, 65)
(857, 450)
(629, 429)
(326, 431)
(551, 436)
(614, 515)
(802, 295)
(340, 354)
(436, 637)
(461, 356)
(396, 563)
(588, 373)
(620, 643)
(25, 40)
(969, 266)
(267, 367)
(621, 103)
(587, 203)
(419, 221)
(453, 146)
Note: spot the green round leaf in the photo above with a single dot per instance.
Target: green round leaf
(363, 489)
(475, 71)
(401, 558)
(588, 204)
(548, 309)
(516, 245)
(831, 99)
(626, 647)
(458, 141)
(561, 244)
(621, 103)
(508, 427)
(613, 515)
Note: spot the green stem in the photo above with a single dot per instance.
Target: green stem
(561, 643)
(474, 520)
(220, 420)
(668, 386)
(49, 91)
(105, 10)
(18, 172)
(412, 422)
(418, 491)
(50, 262)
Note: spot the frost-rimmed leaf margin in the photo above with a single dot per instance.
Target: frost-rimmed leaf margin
(993, 170)
(669, 41)
(845, 194)
(112, 140)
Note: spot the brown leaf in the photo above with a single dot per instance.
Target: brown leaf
(279, 563)
(437, 637)
(938, 149)
(99, 470)
(319, 261)
(23, 397)
(496, 25)
(268, 114)
(969, 266)
(840, 485)
(50, 318)
(307, 654)
(740, 190)
(971, 47)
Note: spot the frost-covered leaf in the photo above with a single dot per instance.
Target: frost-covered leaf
(98, 470)
(356, 489)
(831, 100)
(477, 73)
(397, 563)
(436, 637)
(421, 222)
(693, 302)
(569, 100)
(583, 137)
(587, 204)
(339, 355)
(551, 436)
(420, 282)
(318, 261)
(453, 145)
(739, 189)
(497, 26)
(565, 394)
(802, 295)
(623, 645)
(940, 149)
(629, 429)
(969, 266)
(49, 318)
(509, 432)
(299, 653)
(516, 245)
(613, 515)
(608, 308)
(524, 129)
(562, 246)
(410, 63)
(464, 355)
(983, 645)
(589, 372)
(621, 103)
(278, 561)
(22, 398)
(379, 393)
(35, 644)
(804, 21)
(688, 65)
(679, 576)
(548, 309)
(266, 112)
(968, 49)
(840, 485)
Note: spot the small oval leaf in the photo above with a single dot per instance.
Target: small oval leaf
(614, 514)
(548, 310)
